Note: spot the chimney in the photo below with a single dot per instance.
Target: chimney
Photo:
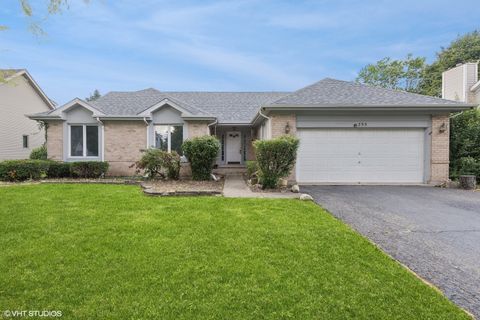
(457, 82)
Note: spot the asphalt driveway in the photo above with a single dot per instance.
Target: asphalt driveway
(435, 232)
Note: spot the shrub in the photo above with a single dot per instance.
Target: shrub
(201, 152)
(59, 169)
(275, 158)
(469, 166)
(157, 163)
(21, 170)
(39, 153)
(89, 169)
(252, 167)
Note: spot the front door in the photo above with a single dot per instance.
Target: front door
(234, 147)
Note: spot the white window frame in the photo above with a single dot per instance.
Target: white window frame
(84, 132)
(169, 135)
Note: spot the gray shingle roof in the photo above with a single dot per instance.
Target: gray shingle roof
(229, 106)
(337, 92)
(242, 107)
(226, 106)
(133, 103)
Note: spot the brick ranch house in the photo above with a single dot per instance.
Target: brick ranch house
(349, 132)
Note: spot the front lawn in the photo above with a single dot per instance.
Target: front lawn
(101, 251)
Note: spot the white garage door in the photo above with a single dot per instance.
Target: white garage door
(361, 155)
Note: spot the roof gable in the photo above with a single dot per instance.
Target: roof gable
(9, 74)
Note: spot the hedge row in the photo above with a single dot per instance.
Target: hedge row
(21, 170)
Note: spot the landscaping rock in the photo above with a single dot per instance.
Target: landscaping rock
(306, 197)
(295, 188)
(283, 182)
(468, 182)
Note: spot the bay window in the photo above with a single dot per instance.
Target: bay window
(83, 141)
(169, 138)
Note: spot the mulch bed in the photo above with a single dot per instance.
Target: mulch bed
(182, 187)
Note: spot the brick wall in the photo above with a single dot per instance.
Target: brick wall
(440, 149)
(55, 140)
(197, 129)
(278, 123)
(124, 141)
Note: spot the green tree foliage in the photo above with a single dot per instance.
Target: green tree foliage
(394, 74)
(94, 96)
(464, 139)
(465, 48)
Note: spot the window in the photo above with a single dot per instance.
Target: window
(25, 141)
(169, 138)
(83, 141)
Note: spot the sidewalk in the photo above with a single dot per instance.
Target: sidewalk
(236, 187)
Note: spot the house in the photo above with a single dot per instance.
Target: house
(20, 94)
(349, 132)
(461, 83)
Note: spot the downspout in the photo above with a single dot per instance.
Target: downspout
(103, 138)
(268, 118)
(148, 135)
(215, 128)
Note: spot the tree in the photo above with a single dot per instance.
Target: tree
(465, 48)
(464, 138)
(34, 26)
(394, 74)
(53, 7)
(94, 96)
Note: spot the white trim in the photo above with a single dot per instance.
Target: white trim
(73, 103)
(84, 142)
(169, 134)
(161, 104)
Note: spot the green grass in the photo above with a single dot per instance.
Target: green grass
(99, 251)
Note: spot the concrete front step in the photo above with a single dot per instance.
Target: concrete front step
(230, 170)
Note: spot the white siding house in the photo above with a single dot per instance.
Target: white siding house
(20, 95)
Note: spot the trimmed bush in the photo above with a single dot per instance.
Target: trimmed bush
(59, 170)
(201, 152)
(21, 170)
(275, 158)
(39, 153)
(89, 169)
(252, 167)
(469, 166)
(157, 163)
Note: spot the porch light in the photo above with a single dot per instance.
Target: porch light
(442, 128)
(287, 128)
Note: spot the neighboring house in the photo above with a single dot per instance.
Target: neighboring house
(20, 94)
(461, 83)
(349, 132)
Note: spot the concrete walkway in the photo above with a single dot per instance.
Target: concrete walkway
(236, 187)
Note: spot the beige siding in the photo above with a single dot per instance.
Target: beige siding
(457, 82)
(124, 142)
(440, 154)
(17, 98)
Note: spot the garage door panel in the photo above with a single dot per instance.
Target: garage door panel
(361, 155)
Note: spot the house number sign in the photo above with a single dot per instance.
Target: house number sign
(360, 124)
